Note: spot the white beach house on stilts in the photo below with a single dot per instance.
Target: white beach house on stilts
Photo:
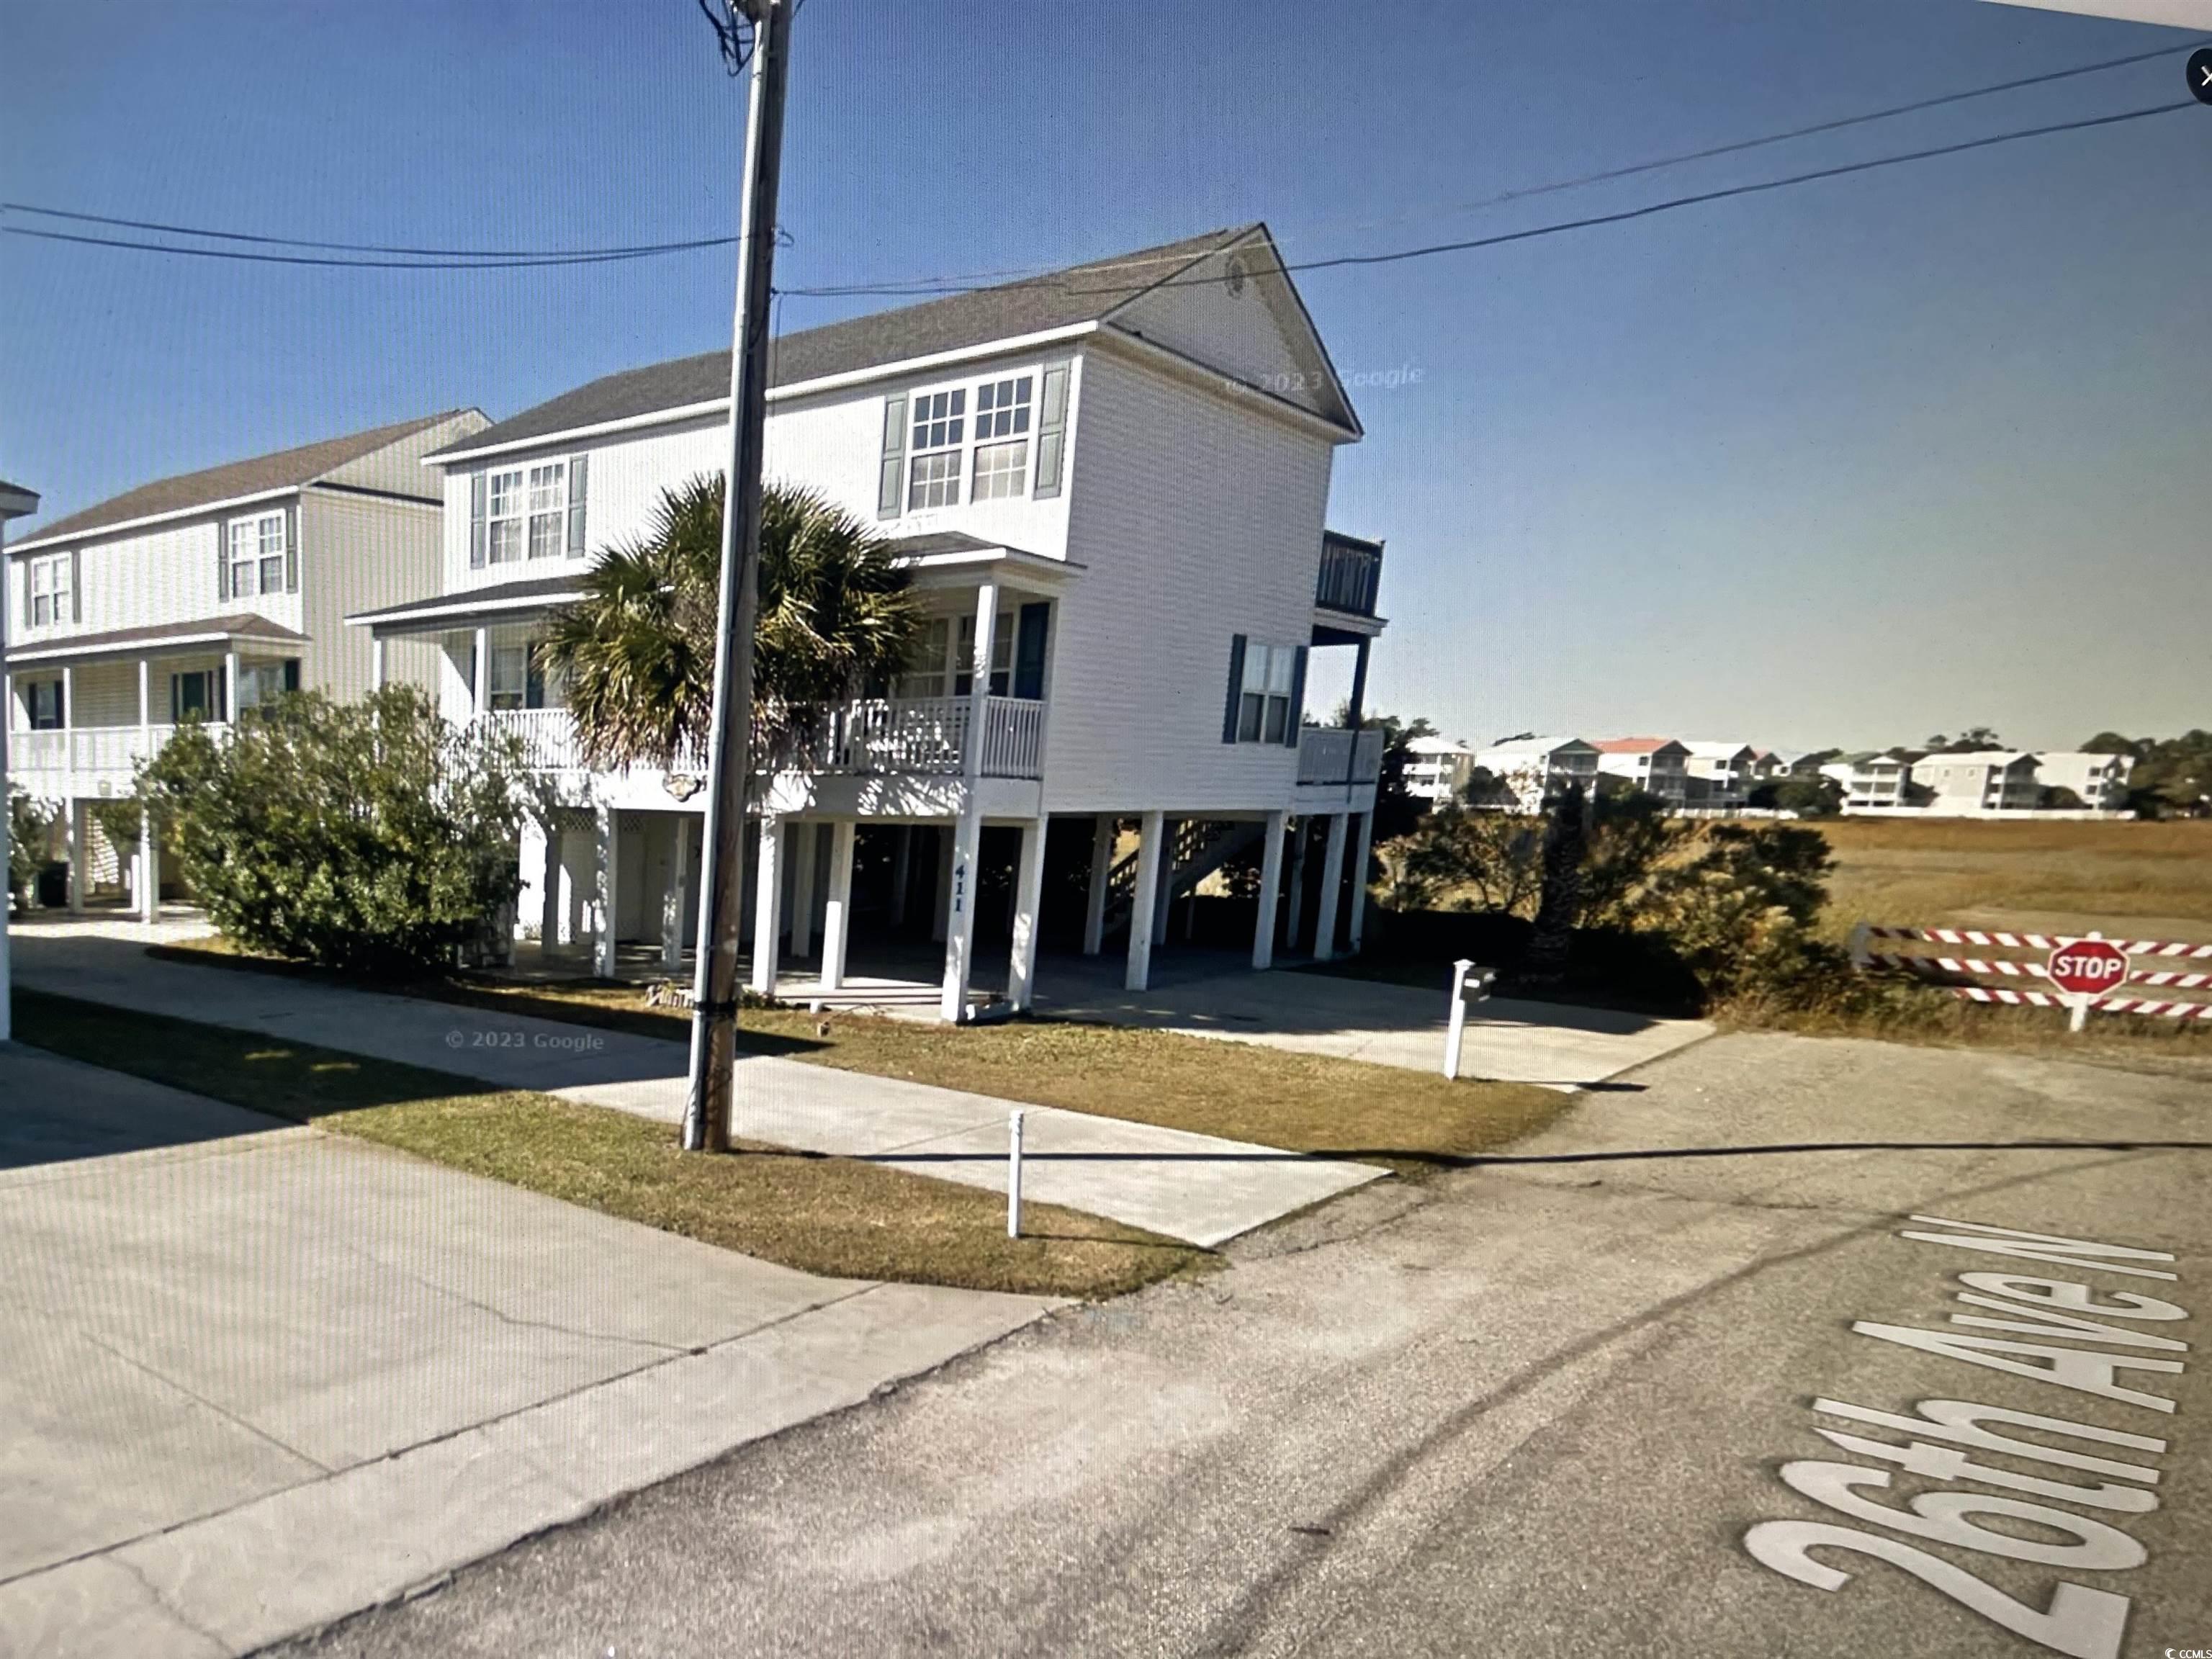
(1110, 486)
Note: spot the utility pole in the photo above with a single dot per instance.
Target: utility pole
(707, 1111)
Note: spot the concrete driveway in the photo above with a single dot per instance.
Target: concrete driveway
(1199, 1187)
(1213, 993)
(253, 1378)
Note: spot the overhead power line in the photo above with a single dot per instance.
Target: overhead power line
(380, 255)
(1587, 222)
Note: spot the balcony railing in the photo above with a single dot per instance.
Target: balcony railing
(875, 735)
(89, 753)
(1333, 754)
(1351, 573)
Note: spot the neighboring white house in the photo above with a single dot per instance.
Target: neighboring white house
(1533, 770)
(1872, 778)
(1436, 769)
(203, 594)
(2100, 780)
(1718, 775)
(1658, 766)
(1110, 486)
(16, 502)
(1979, 780)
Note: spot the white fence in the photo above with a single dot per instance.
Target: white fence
(1960, 975)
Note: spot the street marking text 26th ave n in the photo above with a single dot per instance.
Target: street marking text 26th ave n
(2080, 1620)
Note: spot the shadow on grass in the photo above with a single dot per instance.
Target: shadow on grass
(285, 1082)
(536, 1000)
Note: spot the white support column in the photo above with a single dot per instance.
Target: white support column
(1102, 872)
(1332, 881)
(902, 871)
(1271, 891)
(607, 897)
(150, 870)
(68, 774)
(968, 833)
(549, 912)
(1161, 906)
(942, 899)
(804, 836)
(1292, 928)
(1355, 924)
(483, 688)
(966, 839)
(768, 900)
(376, 662)
(1152, 830)
(230, 684)
(1028, 898)
(837, 917)
(79, 850)
(672, 900)
(150, 852)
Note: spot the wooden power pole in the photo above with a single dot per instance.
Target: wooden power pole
(706, 1113)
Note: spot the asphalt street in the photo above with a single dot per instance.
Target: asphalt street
(1529, 1408)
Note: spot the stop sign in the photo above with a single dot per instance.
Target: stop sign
(2088, 966)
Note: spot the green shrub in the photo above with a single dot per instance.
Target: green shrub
(30, 828)
(369, 837)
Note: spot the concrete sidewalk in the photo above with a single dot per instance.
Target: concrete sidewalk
(1186, 1186)
(254, 1378)
(1211, 993)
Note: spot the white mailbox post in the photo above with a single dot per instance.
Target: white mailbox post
(1469, 984)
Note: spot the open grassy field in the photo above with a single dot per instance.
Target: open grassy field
(2150, 879)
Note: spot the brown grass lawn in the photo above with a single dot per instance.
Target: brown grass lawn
(837, 1216)
(2152, 879)
(1411, 1121)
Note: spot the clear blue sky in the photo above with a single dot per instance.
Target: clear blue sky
(1845, 464)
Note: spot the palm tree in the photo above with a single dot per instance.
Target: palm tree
(637, 649)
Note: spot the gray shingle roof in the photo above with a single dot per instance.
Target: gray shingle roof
(286, 468)
(465, 601)
(235, 625)
(1079, 293)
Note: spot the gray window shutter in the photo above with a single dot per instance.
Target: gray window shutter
(1052, 431)
(292, 548)
(77, 585)
(891, 484)
(578, 475)
(1297, 700)
(222, 561)
(476, 521)
(1236, 688)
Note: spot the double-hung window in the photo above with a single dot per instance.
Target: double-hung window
(1002, 656)
(51, 600)
(940, 429)
(45, 701)
(924, 674)
(517, 678)
(255, 554)
(1002, 445)
(526, 513)
(1263, 710)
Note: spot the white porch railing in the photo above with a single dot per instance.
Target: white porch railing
(926, 735)
(90, 753)
(1332, 754)
(548, 737)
